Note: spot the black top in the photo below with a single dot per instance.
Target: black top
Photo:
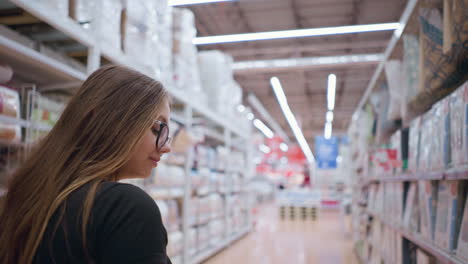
(125, 226)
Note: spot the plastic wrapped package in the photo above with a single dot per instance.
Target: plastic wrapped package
(217, 79)
(44, 112)
(223, 157)
(174, 220)
(217, 230)
(174, 248)
(203, 237)
(185, 63)
(175, 176)
(58, 6)
(394, 80)
(83, 12)
(10, 106)
(216, 205)
(108, 25)
(140, 38)
(164, 50)
(192, 241)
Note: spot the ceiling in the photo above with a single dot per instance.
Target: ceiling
(305, 88)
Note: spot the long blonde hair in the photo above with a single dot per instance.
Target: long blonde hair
(91, 141)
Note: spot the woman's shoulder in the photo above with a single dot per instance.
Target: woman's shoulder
(123, 193)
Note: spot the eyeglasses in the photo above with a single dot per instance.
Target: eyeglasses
(161, 131)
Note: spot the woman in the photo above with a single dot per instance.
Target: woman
(64, 204)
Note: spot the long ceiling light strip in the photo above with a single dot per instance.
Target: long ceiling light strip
(310, 61)
(283, 102)
(255, 103)
(328, 130)
(297, 33)
(331, 92)
(194, 2)
(263, 128)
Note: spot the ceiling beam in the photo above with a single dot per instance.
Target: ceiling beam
(308, 48)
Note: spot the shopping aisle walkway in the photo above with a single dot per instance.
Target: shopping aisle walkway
(274, 241)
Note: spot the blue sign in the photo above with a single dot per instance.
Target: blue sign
(326, 152)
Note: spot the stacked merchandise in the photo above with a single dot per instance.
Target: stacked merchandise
(108, 24)
(185, 64)
(45, 113)
(217, 78)
(164, 48)
(170, 215)
(140, 38)
(431, 209)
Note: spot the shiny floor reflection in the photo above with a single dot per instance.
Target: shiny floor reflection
(276, 241)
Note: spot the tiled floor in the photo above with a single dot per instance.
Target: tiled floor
(276, 241)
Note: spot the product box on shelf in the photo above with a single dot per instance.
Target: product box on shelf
(10, 107)
(192, 241)
(427, 206)
(448, 214)
(426, 141)
(436, 160)
(410, 70)
(459, 126)
(414, 145)
(175, 247)
(139, 38)
(411, 215)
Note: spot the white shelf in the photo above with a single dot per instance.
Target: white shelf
(200, 257)
(14, 121)
(165, 193)
(34, 66)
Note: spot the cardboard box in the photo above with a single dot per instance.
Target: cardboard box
(448, 212)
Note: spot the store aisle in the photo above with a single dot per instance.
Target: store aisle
(300, 242)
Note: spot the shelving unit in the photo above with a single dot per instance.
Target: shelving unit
(46, 72)
(442, 255)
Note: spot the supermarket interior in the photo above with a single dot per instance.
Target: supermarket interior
(303, 131)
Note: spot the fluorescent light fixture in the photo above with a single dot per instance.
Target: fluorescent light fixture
(297, 33)
(250, 116)
(328, 130)
(255, 103)
(193, 2)
(241, 108)
(264, 148)
(308, 62)
(283, 102)
(329, 116)
(331, 91)
(284, 147)
(263, 128)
